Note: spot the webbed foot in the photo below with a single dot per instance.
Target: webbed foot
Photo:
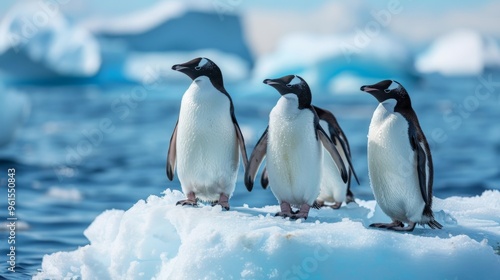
(191, 200)
(302, 213)
(286, 210)
(223, 201)
(410, 227)
(336, 205)
(388, 225)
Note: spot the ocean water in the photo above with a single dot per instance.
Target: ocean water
(88, 148)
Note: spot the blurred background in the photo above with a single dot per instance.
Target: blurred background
(88, 101)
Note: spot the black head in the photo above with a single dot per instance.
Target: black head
(292, 84)
(201, 66)
(388, 89)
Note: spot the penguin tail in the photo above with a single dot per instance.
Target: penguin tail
(434, 224)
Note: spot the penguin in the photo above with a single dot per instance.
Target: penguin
(332, 188)
(399, 160)
(293, 143)
(206, 143)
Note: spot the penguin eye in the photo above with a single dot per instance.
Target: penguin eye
(197, 68)
(289, 85)
(387, 90)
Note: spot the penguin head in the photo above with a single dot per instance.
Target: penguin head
(388, 89)
(198, 67)
(292, 86)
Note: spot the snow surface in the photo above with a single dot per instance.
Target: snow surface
(461, 52)
(157, 240)
(34, 44)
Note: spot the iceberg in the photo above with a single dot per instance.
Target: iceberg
(459, 53)
(155, 239)
(321, 59)
(40, 45)
(165, 30)
(36, 44)
(139, 67)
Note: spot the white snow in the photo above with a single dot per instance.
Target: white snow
(34, 42)
(461, 52)
(157, 240)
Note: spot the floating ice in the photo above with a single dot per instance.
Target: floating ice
(144, 67)
(37, 44)
(461, 52)
(320, 59)
(169, 28)
(64, 194)
(156, 239)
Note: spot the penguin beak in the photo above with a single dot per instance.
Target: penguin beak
(368, 89)
(179, 67)
(278, 85)
(271, 82)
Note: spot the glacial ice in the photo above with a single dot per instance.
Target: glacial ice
(156, 239)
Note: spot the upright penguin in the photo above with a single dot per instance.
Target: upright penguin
(293, 144)
(205, 141)
(332, 187)
(399, 160)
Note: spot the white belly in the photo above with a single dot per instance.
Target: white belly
(392, 167)
(294, 155)
(333, 188)
(207, 151)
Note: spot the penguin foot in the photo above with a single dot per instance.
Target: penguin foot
(336, 205)
(286, 210)
(410, 227)
(191, 200)
(223, 201)
(187, 202)
(318, 204)
(302, 213)
(388, 225)
(350, 197)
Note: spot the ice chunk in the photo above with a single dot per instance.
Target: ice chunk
(37, 44)
(174, 27)
(461, 52)
(319, 59)
(141, 67)
(156, 239)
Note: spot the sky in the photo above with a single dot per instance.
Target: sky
(267, 22)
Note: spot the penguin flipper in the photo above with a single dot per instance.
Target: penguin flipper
(241, 143)
(328, 144)
(337, 134)
(424, 167)
(172, 154)
(264, 179)
(256, 158)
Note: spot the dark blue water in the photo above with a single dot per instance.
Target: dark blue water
(85, 149)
